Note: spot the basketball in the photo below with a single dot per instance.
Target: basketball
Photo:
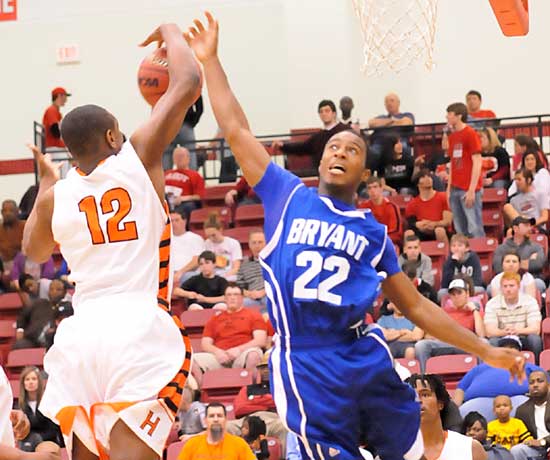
(153, 76)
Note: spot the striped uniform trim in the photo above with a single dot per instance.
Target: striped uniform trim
(164, 265)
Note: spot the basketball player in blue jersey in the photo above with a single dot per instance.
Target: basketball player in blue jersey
(324, 263)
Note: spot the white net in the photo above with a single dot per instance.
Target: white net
(396, 33)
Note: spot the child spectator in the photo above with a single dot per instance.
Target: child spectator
(505, 430)
(412, 253)
(475, 426)
(206, 289)
(400, 333)
(461, 260)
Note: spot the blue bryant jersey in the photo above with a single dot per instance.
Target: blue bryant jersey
(324, 259)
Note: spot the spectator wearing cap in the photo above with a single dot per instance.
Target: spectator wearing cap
(512, 313)
(52, 119)
(256, 400)
(464, 310)
(483, 383)
(530, 253)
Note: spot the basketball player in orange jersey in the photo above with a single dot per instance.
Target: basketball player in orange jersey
(118, 366)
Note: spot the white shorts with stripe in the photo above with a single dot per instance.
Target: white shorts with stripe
(6, 403)
(110, 361)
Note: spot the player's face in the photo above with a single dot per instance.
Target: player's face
(256, 243)
(473, 102)
(530, 162)
(326, 115)
(538, 384)
(343, 160)
(429, 405)
(477, 432)
(31, 382)
(510, 289)
(510, 263)
(502, 407)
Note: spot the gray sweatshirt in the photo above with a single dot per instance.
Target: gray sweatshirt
(423, 267)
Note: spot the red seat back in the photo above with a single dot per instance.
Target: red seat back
(219, 384)
(174, 450)
(199, 216)
(451, 368)
(411, 364)
(195, 320)
(249, 215)
(215, 195)
(544, 359)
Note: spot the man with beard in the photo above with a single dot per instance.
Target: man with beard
(216, 443)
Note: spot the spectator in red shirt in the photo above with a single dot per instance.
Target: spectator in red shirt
(241, 195)
(233, 338)
(384, 210)
(183, 186)
(52, 118)
(428, 214)
(464, 187)
(464, 310)
(473, 101)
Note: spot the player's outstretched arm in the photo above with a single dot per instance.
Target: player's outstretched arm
(251, 155)
(432, 319)
(151, 138)
(38, 243)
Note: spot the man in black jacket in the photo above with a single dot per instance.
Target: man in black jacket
(535, 413)
(34, 321)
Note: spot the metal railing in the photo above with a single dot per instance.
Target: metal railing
(217, 164)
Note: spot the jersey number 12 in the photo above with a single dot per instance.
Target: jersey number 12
(315, 263)
(116, 229)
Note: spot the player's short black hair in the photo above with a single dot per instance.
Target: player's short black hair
(434, 383)
(215, 404)
(326, 102)
(458, 108)
(470, 419)
(473, 92)
(83, 129)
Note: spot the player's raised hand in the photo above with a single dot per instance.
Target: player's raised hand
(155, 36)
(203, 41)
(507, 358)
(47, 169)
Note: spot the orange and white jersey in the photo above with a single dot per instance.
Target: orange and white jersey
(113, 230)
(6, 403)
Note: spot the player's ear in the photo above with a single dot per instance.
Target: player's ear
(111, 138)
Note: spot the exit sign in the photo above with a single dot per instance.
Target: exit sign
(8, 10)
(67, 54)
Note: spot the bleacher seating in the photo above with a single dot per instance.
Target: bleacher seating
(7, 338)
(224, 384)
(174, 449)
(494, 198)
(411, 364)
(545, 330)
(251, 215)
(438, 252)
(198, 216)
(18, 359)
(401, 202)
(195, 320)
(544, 360)
(215, 196)
(10, 305)
(493, 222)
(484, 247)
(451, 368)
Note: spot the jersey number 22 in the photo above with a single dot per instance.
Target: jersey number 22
(315, 263)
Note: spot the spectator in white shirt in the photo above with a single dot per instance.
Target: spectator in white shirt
(184, 250)
(228, 250)
(511, 263)
(512, 313)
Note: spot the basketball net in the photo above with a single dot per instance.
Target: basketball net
(396, 33)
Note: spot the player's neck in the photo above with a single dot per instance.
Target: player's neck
(432, 433)
(340, 194)
(87, 165)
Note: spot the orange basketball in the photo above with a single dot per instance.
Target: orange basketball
(153, 76)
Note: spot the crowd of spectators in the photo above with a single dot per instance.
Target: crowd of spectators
(441, 202)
